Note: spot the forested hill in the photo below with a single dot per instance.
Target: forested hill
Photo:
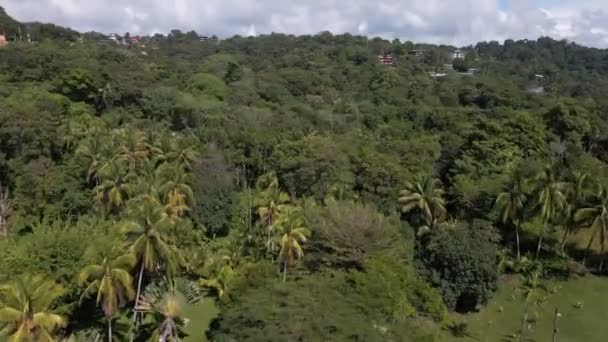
(294, 183)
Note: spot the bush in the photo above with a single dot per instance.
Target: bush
(346, 233)
(461, 262)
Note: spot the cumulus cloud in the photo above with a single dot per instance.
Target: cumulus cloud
(458, 22)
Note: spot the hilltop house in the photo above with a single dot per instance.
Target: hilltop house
(416, 52)
(457, 54)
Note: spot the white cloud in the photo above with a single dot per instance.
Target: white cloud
(458, 22)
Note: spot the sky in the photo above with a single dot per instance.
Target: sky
(455, 22)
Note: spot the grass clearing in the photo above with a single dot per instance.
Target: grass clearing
(582, 302)
(200, 317)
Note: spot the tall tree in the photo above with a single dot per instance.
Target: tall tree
(270, 202)
(115, 187)
(6, 209)
(147, 232)
(510, 207)
(112, 284)
(577, 192)
(596, 218)
(425, 195)
(26, 309)
(551, 200)
(134, 149)
(293, 233)
(177, 193)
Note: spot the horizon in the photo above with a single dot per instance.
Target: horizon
(431, 21)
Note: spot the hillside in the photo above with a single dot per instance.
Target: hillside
(282, 188)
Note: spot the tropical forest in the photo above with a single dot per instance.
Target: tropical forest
(327, 187)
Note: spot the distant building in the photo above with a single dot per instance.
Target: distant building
(202, 38)
(386, 59)
(437, 74)
(416, 52)
(457, 54)
(3, 40)
(536, 90)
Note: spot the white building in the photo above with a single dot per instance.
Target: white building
(457, 54)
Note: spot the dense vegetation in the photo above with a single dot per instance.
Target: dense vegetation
(313, 192)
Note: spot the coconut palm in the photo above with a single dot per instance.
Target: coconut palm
(551, 200)
(577, 191)
(166, 302)
(6, 209)
(218, 273)
(134, 149)
(426, 196)
(150, 180)
(26, 309)
(596, 218)
(115, 187)
(91, 151)
(292, 235)
(177, 193)
(146, 231)
(111, 283)
(270, 202)
(510, 207)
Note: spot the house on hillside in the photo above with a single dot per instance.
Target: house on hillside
(202, 38)
(457, 54)
(3, 40)
(386, 59)
(416, 52)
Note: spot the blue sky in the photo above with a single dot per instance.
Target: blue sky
(457, 22)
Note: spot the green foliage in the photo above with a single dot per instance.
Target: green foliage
(390, 290)
(461, 262)
(264, 312)
(346, 234)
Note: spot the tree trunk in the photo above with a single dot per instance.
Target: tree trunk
(602, 256)
(285, 271)
(523, 324)
(589, 247)
(555, 330)
(565, 237)
(139, 280)
(540, 243)
(517, 240)
(109, 329)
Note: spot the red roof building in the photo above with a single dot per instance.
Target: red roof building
(386, 59)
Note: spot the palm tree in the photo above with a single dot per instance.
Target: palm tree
(596, 217)
(292, 234)
(270, 203)
(166, 302)
(425, 195)
(134, 149)
(26, 312)
(111, 283)
(6, 209)
(91, 150)
(218, 273)
(115, 187)
(578, 192)
(551, 200)
(510, 206)
(177, 194)
(147, 233)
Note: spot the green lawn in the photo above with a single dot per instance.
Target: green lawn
(582, 302)
(200, 316)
